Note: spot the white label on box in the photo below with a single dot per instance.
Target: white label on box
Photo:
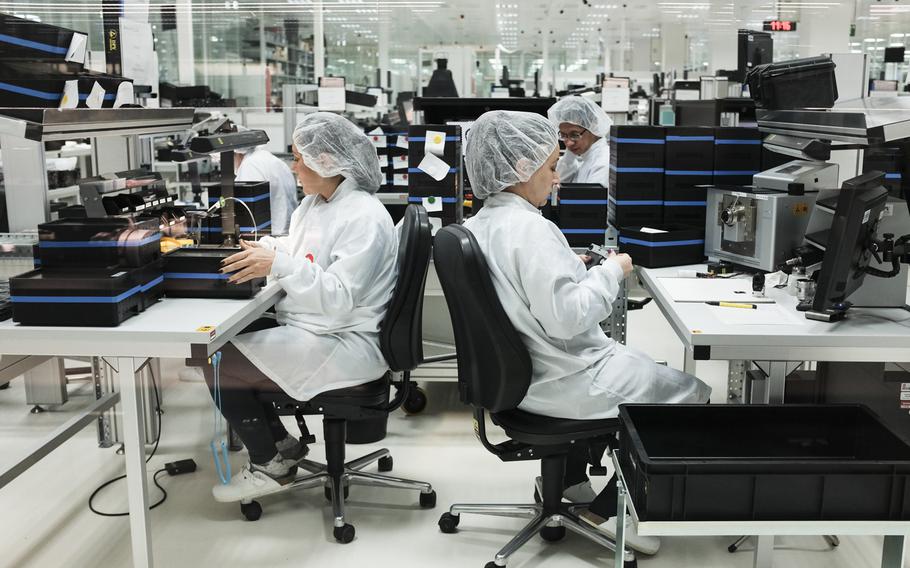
(651, 231)
(434, 204)
(905, 395)
(436, 168)
(125, 95)
(70, 95)
(758, 196)
(905, 386)
(436, 142)
(402, 142)
(377, 136)
(400, 180)
(400, 163)
(76, 51)
(96, 97)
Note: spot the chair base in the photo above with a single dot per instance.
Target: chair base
(336, 487)
(548, 524)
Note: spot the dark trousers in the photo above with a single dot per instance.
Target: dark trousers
(257, 423)
(576, 472)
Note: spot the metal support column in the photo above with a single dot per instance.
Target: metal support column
(45, 385)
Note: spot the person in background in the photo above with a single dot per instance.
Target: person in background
(337, 268)
(556, 305)
(584, 127)
(258, 164)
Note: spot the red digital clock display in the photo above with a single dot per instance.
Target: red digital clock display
(780, 26)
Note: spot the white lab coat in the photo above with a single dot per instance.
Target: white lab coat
(591, 167)
(261, 165)
(338, 267)
(556, 306)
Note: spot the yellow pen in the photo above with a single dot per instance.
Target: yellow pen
(733, 305)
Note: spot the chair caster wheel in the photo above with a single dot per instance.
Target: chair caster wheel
(344, 534)
(448, 523)
(428, 500)
(630, 564)
(491, 564)
(4, 386)
(416, 401)
(385, 464)
(553, 534)
(732, 548)
(328, 492)
(251, 511)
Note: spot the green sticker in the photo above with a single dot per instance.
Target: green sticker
(221, 202)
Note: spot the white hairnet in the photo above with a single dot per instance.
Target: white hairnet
(331, 145)
(581, 111)
(504, 148)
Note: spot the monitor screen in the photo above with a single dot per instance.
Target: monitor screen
(860, 207)
(894, 54)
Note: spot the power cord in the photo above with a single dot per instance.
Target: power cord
(150, 456)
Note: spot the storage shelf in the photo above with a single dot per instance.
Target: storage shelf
(44, 125)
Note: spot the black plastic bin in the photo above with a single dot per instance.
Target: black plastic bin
(762, 462)
(98, 242)
(794, 84)
(194, 273)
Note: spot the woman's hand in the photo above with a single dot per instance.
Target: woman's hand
(252, 262)
(585, 259)
(624, 261)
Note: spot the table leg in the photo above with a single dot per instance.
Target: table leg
(777, 382)
(134, 441)
(689, 361)
(893, 551)
(619, 554)
(764, 552)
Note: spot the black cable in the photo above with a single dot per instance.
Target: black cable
(150, 456)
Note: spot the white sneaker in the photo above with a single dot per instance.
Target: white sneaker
(644, 544)
(249, 484)
(578, 493)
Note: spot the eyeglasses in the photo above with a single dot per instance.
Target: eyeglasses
(574, 136)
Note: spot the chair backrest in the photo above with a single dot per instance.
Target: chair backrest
(401, 332)
(494, 367)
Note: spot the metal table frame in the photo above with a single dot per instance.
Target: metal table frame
(174, 328)
(893, 531)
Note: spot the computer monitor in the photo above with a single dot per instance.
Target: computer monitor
(753, 48)
(860, 207)
(894, 54)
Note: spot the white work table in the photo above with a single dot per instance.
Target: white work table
(867, 334)
(178, 328)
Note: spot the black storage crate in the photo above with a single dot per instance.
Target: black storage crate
(24, 87)
(641, 213)
(98, 242)
(737, 155)
(678, 246)
(680, 185)
(795, 84)
(690, 148)
(92, 298)
(583, 206)
(584, 237)
(195, 273)
(763, 463)
(685, 213)
(637, 147)
(420, 184)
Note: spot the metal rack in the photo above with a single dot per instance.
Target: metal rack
(115, 147)
(866, 122)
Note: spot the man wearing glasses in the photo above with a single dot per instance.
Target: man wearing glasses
(583, 127)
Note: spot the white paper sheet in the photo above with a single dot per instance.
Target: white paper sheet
(711, 290)
(436, 142)
(402, 142)
(651, 231)
(435, 224)
(436, 168)
(125, 95)
(400, 163)
(95, 97)
(432, 204)
(76, 51)
(400, 180)
(331, 99)
(136, 47)
(765, 314)
(70, 97)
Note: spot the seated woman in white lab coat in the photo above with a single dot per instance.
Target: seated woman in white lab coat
(584, 128)
(337, 267)
(554, 303)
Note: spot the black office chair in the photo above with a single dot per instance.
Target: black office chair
(494, 372)
(401, 343)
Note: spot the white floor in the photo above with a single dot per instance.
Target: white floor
(45, 521)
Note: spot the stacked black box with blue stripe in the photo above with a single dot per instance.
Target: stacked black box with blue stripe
(252, 215)
(658, 185)
(93, 272)
(435, 171)
(392, 152)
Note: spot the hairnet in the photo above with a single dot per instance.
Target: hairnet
(581, 111)
(331, 145)
(504, 148)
